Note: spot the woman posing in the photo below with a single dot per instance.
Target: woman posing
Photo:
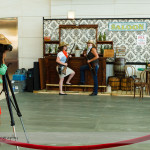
(92, 59)
(61, 61)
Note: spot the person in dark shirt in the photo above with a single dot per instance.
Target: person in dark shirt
(93, 62)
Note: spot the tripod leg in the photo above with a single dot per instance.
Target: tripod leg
(17, 107)
(5, 87)
(24, 130)
(13, 95)
(15, 135)
(8, 100)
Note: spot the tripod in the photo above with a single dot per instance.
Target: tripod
(6, 84)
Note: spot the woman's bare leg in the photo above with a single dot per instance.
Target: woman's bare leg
(70, 77)
(61, 85)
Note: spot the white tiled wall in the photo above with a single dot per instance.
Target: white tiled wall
(30, 15)
(100, 8)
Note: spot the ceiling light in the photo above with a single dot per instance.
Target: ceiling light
(71, 14)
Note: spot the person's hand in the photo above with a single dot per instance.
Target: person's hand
(70, 56)
(88, 61)
(84, 54)
(65, 64)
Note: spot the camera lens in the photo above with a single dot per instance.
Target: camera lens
(9, 47)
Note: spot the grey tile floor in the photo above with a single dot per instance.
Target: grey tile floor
(78, 120)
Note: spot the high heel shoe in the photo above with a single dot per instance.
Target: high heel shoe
(68, 84)
(62, 94)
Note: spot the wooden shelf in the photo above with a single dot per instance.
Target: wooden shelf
(51, 42)
(104, 42)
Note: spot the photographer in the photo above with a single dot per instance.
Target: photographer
(5, 46)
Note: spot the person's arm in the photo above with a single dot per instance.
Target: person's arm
(94, 52)
(4, 56)
(59, 62)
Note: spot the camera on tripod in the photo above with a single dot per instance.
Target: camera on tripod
(5, 47)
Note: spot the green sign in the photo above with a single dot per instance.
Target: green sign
(127, 26)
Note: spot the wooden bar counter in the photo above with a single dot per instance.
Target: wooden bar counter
(74, 63)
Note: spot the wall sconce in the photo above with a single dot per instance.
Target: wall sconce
(71, 15)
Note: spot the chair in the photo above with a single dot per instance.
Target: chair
(127, 83)
(140, 84)
(134, 77)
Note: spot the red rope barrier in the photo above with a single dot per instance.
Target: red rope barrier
(87, 147)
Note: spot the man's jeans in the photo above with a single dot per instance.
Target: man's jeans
(82, 76)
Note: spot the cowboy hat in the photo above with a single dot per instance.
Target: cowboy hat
(63, 44)
(91, 42)
(4, 40)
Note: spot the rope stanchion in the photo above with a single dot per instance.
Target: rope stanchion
(86, 147)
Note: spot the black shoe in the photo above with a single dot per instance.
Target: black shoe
(68, 84)
(62, 94)
(93, 94)
(81, 83)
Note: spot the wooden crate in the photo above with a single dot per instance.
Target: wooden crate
(108, 53)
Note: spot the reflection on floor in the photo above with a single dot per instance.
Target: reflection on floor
(51, 119)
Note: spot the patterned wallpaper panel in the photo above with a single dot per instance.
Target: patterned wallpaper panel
(134, 52)
(78, 36)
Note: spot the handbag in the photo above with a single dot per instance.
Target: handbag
(60, 69)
